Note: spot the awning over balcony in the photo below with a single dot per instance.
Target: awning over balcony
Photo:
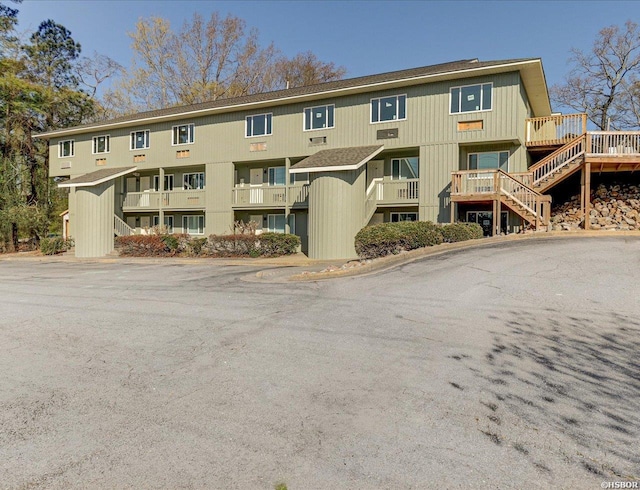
(337, 159)
(97, 177)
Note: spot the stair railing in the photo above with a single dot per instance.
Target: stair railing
(121, 228)
(559, 159)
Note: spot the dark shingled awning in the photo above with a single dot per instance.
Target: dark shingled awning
(97, 177)
(338, 159)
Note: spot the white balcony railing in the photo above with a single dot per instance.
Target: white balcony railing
(176, 199)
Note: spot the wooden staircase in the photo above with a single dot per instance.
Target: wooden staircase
(559, 165)
(525, 201)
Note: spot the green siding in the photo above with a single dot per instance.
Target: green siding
(93, 232)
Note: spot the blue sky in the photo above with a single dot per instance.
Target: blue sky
(366, 37)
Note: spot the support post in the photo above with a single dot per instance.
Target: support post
(160, 201)
(496, 220)
(587, 195)
(453, 211)
(287, 183)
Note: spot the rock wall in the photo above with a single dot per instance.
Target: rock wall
(614, 207)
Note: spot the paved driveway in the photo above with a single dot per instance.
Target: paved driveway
(513, 366)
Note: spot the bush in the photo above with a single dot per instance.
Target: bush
(142, 246)
(54, 245)
(194, 246)
(460, 232)
(231, 245)
(276, 244)
(393, 238)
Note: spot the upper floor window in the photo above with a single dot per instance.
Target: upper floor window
(258, 125)
(101, 144)
(471, 98)
(140, 140)
(277, 176)
(183, 134)
(320, 117)
(404, 168)
(389, 108)
(66, 148)
(193, 180)
(489, 159)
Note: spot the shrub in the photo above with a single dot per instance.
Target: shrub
(194, 246)
(460, 232)
(142, 246)
(54, 245)
(276, 244)
(231, 245)
(393, 238)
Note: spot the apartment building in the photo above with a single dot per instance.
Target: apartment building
(454, 141)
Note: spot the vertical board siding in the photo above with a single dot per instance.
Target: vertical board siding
(336, 213)
(94, 215)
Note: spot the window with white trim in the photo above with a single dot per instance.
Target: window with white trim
(258, 125)
(277, 176)
(139, 140)
(320, 117)
(398, 217)
(488, 160)
(101, 144)
(193, 224)
(183, 134)
(168, 182)
(66, 148)
(471, 98)
(168, 222)
(275, 223)
(193, 180)
(404, 168)
(392, 108)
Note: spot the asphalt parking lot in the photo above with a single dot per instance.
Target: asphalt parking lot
(508, 366)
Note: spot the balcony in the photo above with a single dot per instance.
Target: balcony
(553, 131)
(392, 192)
(266, 196)
(170, 200)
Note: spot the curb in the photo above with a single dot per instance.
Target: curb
(389, 262)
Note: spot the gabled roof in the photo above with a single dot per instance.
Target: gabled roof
(337, 159)
(530, 69)
(97, 177)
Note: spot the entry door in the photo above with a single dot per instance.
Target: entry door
(256, 196)
(375, 170)
(145, 183)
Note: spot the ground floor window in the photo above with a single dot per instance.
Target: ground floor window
(275, 223)
(398, 217)
(168, 222)
(193, 225)
(485, 219)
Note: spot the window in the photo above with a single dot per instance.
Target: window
(404, 168)
(168, 222)
(320, 117)
(397, 217)
(193, 225)
(139, 140)
(491, 159)
(275, 223)
(389, 108)
(299, 178)
(193, 181)
(66, 148)
(277, 176)
(471, 98)
(258, 125)
(168, 182)
(183, 134)
(101, 144)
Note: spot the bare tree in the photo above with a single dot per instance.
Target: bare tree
(94, 71)
(306, 69)
(603, 82)
(206, 60)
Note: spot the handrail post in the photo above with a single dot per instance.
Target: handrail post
(584, 123)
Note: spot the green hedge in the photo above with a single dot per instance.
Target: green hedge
(392, 238)
(460, 232)
(55, 245)
(264, 245)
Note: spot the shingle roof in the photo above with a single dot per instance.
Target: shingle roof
(279, 95)
(97, 177)
(337, 159)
